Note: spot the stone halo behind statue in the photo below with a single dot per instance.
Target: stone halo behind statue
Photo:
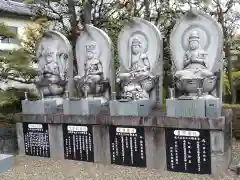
(139, 45)
(196, 45)
(94, 54)
(53, 53)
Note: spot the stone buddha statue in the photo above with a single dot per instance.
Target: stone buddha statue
(138, 81)
(91, 81)
(195, 73)
(51, 81)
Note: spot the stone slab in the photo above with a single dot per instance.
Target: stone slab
(155, 147)
(6, 162)
(81, 107)
(185, 108)
(161, 121)
(56, 141)
(101, 143)
(130, 108)
(210, 108)
(20, 138)
(39, 107)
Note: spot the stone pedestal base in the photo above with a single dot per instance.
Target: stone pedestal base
(210, 108)
(6, 162)
(81, 107)
(131, 108)
(151, 136)
(39, 107)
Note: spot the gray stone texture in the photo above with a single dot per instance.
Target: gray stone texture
(101, 144)
(154, 129)
(20, 138)
(39, 107)
(210, 108)
(56, 141)
(185, 108)
(81, 107)
(130, 108)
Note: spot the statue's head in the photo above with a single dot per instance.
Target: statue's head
(136, 45)
(48, 55)
(91, 50)
(194, 40)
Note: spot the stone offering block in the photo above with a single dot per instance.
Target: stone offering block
(81, 107)
(185, 108)
(130, 108)
(39, 107)
(6, 162)
(194, 108)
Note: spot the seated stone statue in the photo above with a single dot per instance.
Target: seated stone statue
(195, 72)
(51, 81)
(91, 82)
(138, 81)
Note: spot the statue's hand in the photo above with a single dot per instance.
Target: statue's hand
(76, 78)
(62, 76)
(145, 68)
(118, 80)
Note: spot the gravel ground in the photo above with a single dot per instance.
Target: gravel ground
(29, 168)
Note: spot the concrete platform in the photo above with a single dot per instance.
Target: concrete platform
(152, 128)
(6, 162)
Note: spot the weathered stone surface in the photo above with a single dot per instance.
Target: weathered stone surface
(140, 54)
(196, 44)
(81, 107)
(54, 52)
(39, 107)
(95, 62)
(131, 108)
(149, 121)
(154, 132)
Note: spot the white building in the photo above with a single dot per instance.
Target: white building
(17, 16)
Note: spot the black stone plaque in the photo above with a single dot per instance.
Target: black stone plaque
(188, 151)
(36, 139)
(78, 142)
(127, 146)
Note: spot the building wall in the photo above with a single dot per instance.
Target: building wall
(21, 23)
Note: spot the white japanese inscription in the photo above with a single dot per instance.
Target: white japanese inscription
(77, 128)
(126, 130)
(35, 126)
(186, 133)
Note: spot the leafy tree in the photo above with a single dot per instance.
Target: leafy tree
(14, 67)
(15, 64)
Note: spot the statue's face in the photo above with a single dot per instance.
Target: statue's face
(193, 45)
(90, 55)
(136, 49)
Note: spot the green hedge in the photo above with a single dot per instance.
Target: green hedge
(231, 106)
